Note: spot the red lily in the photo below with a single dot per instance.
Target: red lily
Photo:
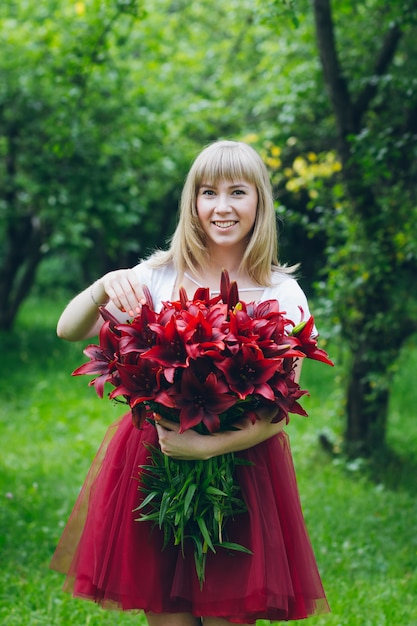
(308, 344)
(170, 351)
(247, 372)
(103, 359)
(201, 402)
(208, 301)
(201, 337)
(238, 331)
(287, 392)
(201, 297)
(111, 319)
(138, 382)
(138, 336)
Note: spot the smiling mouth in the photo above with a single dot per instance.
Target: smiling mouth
(224, 224)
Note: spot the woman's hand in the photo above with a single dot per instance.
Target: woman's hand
(186, 446)
(122, 288)
(190, 445)
(120, 291)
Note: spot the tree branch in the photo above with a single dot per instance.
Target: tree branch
(360, 194)
(332, 71)
(383, 60)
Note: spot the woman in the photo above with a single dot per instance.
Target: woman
(227, 221)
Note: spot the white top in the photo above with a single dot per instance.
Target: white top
(217, 291)
(161, 282)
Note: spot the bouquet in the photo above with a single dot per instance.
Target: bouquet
(203, 363)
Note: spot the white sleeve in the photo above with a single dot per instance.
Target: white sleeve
(292, 301)
(159, 280)
(144, 273)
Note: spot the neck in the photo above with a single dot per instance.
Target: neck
(224, 259)
(209, 275)
(211, 272)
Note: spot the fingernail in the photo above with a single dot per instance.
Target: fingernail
(137, 309)
(131, 313)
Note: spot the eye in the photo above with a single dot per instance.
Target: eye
(239, 192)
(207, 192)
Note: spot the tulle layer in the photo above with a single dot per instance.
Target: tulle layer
(119, 562)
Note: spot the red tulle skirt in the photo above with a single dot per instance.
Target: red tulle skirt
(118, 562)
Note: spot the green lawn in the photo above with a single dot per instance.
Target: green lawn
(362, 526)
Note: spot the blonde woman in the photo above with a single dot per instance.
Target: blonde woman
(227, 221)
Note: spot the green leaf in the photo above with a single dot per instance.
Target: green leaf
(200, 563)
(215, 491)
(163, 508)
(235, 546)
(192, 500)
(188, 498)
(204, 531)
(149, 498)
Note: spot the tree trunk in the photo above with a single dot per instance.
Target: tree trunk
(362, 304)
(24, 235)
(367, 410)
(19, 265)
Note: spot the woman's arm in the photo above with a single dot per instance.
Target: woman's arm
(120, 291)
(189, 445)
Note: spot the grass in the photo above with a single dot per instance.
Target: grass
(361, 522)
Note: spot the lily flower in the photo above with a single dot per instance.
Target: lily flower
(247, 372)
(170, 350)
(103, 359)
(139, 382)
(203, 401)
(308, 344)
(138, 335)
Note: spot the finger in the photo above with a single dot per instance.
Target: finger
(167, 424)
(125, 291)
(162, 438)
(127, 296)
(133, 293)
(160, 430)
(114, 289)
(136, 287)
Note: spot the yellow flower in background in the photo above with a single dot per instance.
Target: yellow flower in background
(300, 166)
(251, 138)
(308, 169)
(273, 163)
(294, 184)
(79, 8)
(276, 151)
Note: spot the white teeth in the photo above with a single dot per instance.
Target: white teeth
(224, 224)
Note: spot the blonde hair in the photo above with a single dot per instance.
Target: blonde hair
(233, 161)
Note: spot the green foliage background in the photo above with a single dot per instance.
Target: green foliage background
(103, 104)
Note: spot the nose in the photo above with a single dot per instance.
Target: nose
(223, 203)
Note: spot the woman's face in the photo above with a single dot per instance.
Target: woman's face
(227, 212)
